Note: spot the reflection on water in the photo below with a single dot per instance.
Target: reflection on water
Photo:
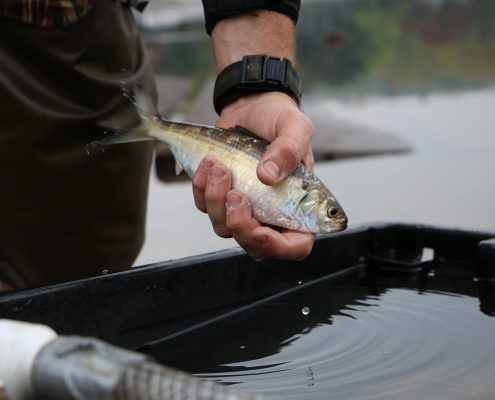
(365, 338)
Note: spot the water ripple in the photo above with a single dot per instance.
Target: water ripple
(399, 345)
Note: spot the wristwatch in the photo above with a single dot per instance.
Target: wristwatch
(256, 74)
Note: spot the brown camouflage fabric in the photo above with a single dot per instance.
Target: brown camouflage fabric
(46, 13)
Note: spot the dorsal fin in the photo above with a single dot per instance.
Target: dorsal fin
(244, 131)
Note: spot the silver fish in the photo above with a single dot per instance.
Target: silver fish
(301, 202)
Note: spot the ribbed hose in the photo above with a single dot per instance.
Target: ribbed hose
(154, 382)
(88, 369)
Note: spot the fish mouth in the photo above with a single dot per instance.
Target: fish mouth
(336, 225)
(340, 224)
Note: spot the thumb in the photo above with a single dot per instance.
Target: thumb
(292, 143)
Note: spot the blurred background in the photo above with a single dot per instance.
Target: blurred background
(402, 95)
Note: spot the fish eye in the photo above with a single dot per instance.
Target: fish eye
(332, 211)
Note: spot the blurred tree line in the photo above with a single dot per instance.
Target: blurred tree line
(392, 46)
(369, 46)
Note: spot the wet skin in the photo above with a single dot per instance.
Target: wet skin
(277, 118)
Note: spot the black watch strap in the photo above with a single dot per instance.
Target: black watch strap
(255, 74)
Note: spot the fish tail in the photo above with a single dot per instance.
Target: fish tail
(147, 114)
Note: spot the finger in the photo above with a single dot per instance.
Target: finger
(260, 241)
(308, 160)
(285, 153)
(217, 186)
(241, 224)
(287, 244)
(199, 181)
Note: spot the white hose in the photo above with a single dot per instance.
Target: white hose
(20, 342)
(37, 364)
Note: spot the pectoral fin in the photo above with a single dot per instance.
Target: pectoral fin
(309, 202)
(178, 167)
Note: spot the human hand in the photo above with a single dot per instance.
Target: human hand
(276, 118)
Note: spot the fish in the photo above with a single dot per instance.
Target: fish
(301, 202)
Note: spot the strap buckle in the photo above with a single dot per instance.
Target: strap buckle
(273, 70)
(257, 73)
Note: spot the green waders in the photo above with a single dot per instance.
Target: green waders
(69, 210)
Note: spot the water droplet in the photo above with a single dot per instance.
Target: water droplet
(299, 282)
(104, 271)
(305, 310)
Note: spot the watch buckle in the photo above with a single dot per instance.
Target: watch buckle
(273, 71)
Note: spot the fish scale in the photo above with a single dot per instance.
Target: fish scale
(300, 202)
(242, 154)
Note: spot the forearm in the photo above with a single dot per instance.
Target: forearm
(262, 32)
(273, 114)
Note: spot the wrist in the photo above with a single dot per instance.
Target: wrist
(255, 74)
(262, 98)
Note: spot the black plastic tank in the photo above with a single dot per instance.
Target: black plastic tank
(379, 311)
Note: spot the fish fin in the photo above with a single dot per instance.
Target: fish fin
(244, 131)
(134, 135)
(178, 167)
(145, 106)
(308, 202)
(147, 114)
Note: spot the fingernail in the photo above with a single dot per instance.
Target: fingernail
(272, 169)
(207, 164)
(217, 173)
(233, 201)
(261, 240)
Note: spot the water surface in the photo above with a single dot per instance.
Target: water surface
(360, 338)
